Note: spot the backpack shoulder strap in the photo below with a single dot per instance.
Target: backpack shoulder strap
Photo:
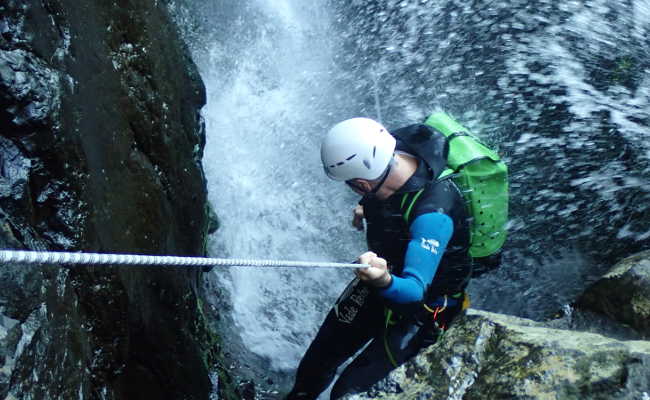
(408, 201)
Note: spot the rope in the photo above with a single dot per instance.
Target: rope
(49, 257)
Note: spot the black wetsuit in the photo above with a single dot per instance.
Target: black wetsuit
(430, 274)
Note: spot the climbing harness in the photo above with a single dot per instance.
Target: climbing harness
(462, 298)
(436, 312)
(68, 258)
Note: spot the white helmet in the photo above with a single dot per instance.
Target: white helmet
(357, 148)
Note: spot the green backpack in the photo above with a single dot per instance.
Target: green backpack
(482, 177)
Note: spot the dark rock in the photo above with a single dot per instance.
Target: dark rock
(213, 220)
(623, 294)
(246, 390)
(100, 148)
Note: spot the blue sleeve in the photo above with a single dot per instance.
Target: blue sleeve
(430, 234)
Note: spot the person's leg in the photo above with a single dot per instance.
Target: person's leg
(398, 343)
(354, 319)
(382, 355)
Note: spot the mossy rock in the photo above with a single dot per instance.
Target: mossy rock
(623, 294)
(493, 356)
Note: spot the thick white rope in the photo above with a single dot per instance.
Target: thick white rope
(49, 257)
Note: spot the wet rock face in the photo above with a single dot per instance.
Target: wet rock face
(493, 356)
(623, 294)
(100, 148)
(530, 83)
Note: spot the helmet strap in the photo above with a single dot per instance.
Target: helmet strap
(383, 177)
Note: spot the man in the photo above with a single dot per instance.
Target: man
(418, 235)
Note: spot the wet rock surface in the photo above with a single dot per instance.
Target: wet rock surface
(100, 148)
(493, 356)
(588, 166)
(623, 294)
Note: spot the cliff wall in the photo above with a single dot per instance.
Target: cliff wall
(100, 147)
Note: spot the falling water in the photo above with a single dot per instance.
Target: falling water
(269, 89)
(560, 88)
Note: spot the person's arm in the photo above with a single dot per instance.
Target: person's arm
(430, 234)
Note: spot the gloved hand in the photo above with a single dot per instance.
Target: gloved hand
(377, 274)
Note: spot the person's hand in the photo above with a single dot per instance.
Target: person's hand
(357, 217)
(377, 274)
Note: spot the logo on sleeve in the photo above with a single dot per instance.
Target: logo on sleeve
(430, 245)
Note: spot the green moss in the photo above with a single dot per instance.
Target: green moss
(211, 224)
(211, 352)
(625, 72)
(623, 66)
(213, 218)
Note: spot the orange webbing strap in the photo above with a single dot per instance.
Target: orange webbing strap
(439, 309)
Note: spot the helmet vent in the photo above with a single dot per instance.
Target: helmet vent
(374, 151)
(366, 163)
(338, 164)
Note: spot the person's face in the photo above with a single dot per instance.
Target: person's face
(359, 186)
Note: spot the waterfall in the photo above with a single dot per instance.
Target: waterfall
(268, 106)
(560, 88)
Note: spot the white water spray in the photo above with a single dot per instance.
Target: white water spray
(549, 85)
(266, 112)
